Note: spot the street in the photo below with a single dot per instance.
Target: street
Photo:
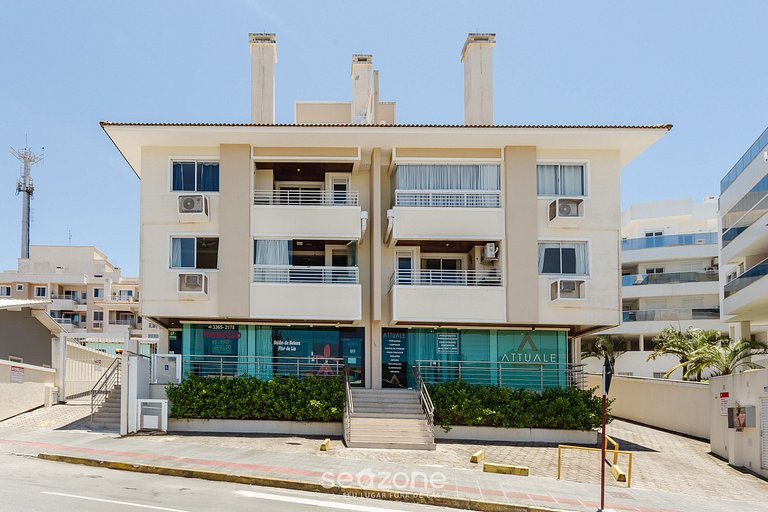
(33, 485)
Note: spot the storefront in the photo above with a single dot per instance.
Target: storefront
(267, 351)
(526, 359)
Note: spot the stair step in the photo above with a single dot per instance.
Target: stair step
(391, 446)
(404, 415)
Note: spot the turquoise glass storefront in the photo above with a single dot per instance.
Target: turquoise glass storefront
(526, 359)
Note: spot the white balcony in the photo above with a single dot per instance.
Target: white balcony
(286, 292)
(448, 296)
(294, 214)
(447, 215)
(63, 302)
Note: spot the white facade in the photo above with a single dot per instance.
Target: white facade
(87, 292)
(670, 272)
(744, 242)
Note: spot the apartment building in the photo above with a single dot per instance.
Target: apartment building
(87, 293)
(669, 277)
(744, 242)
(345, 238)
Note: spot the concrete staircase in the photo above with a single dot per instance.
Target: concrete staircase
(107, 417)
(388, 418)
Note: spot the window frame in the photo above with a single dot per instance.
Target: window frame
(45, 292)
(560, 162)
(6, 287)
(98, 293)
(193, 236)
(587, 262)
(196, 160)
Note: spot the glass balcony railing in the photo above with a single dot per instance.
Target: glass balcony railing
(744, 161)
(649, 242)
(747, 278)
(669, 278)
(651, 315)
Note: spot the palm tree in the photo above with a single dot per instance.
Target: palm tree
(682, 344)
(723, 359)
(612, 346)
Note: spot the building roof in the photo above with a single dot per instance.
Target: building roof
(348, 125)
(22, 303)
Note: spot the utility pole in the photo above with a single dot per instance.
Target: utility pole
(25, 186)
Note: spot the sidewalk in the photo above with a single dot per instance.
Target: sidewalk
(190, 453)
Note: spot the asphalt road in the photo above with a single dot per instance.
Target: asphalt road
(31, 485)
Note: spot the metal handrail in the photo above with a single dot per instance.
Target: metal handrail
(349, 407)
(674, 314)
(651, 242)
(693, 276)
(108, 380)
(265, 367)
(306, 198)
(59, 296)
(305, 274)
(448, 198)
(426, 401)
(424, 277)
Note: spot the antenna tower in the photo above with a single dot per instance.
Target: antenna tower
(25, 186)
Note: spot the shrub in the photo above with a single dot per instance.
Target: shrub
(460, 403)
(248, 398)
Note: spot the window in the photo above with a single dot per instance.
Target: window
(19, 287)
(560, 179)
(98, 316)
(563, 258)
(654, 270)
(653, 233)
(84, 295)
(125, 294)
(202, 253)
(41, 291)
(5, 291)
(194, 176)
(98, 293)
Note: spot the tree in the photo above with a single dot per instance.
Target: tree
(613, 346)
(723, 358)
(682, 345)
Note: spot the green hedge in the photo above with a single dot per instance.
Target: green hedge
(248, 398)
(461, 403)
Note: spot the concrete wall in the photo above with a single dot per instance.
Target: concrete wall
(673, 405)
(17, 397)
(22, 335)
(745, 389)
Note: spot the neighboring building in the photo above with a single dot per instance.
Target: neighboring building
(669, 277)
(346, 238)
(85, 292)
(744, 242)
(27, 330)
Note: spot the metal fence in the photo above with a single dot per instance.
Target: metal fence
(528, 375)
(447, 277)
(650, 315)
(263, 367)
(306, 197)
(85, 366)
(295, 274)
(449, 198)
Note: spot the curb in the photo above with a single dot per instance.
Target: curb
(298, 485)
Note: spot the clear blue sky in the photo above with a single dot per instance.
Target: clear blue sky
(65, 66)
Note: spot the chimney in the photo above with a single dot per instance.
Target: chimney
(263, 59)
(478, 78)
(362, 66)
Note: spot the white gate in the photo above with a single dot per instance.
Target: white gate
(764, 432)
(79, 366)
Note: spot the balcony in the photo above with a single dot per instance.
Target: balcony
(448, 296)
(669, 278)
(307, 214)
(650, 242)
(744, 161)
(447, 214)
(663, 315)
(64, 302)
(306, 293)
(750, 276)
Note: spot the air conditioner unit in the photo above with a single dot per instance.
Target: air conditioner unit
(568, 289)
(489, 252)
(193, 285)
(566, 211)
(193, 208)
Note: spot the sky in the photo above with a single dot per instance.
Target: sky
(65, 66)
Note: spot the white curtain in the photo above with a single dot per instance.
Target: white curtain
(447, 177)
(546, 180)
(580, 250)
(572, 180)
(563, 258)
(176, 252)
(543, 249)
(272, 252)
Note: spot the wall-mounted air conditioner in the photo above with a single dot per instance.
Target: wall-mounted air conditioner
(567, 290)
(193, 208)
(566, 211)
(193, 285)
(490, 252)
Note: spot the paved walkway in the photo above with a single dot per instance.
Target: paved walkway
(670, 473)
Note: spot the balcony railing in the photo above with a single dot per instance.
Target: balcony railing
(296, 274)
(263, 367)
(744, 161)
(656, 315)
(73, 298)
(123, 322)
(528, 375)
(449, 198)
(669, 278)
(447, 277)
(649, 242)
(67, 321)
(123, 298)
(750, 276)
(306, 198)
